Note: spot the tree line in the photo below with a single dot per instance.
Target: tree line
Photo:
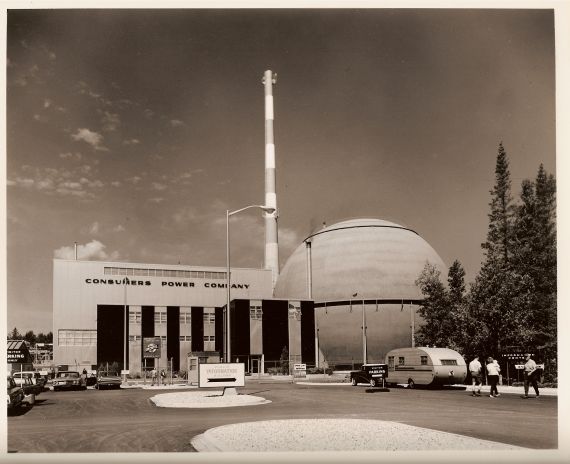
(30, 336)
(511, 305)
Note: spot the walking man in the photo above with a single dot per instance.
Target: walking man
(530, 376)
(493, 376)
(153, 375)
(475, 369)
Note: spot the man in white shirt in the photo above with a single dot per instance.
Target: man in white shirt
(475, 370)
(530, 376)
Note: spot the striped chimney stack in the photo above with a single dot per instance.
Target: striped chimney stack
(271, 247)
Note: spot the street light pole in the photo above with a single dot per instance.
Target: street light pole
(266, 209)
(126, 342)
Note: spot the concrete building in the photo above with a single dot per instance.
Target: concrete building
(183, 306)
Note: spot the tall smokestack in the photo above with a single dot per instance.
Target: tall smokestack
(271, 247)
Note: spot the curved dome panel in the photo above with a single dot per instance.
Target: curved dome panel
(368, 257)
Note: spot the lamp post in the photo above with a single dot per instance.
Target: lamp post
(267, 209)
(125, 344)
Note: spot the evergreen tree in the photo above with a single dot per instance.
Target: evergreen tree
(498, 245)
(500, 295)
(15, 335)
(535, 257)
(30, 337)
(437, 326)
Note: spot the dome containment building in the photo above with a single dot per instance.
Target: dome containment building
(360, 273)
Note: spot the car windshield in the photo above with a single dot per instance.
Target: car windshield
(68, 374)
(109, 374)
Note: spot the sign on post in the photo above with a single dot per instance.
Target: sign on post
(151, 347)
(221, 375)
(299, 371)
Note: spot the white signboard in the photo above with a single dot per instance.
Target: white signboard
(300, 371)
(300, 367)
(519, 366)
(221, 375)
(124, 372)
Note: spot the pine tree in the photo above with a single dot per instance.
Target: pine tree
(535, 257)
(500, 296)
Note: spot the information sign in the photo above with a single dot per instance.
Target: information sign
(221, 375)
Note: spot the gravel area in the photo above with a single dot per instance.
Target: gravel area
(205, 399)
(334, 435)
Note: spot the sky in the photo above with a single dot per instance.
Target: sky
(131, 132)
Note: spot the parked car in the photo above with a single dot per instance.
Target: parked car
(36, 377)
(108, 380)
(15, 394)
(68, 380)
(27, 384)
(372, 374)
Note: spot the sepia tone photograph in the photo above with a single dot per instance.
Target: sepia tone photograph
(286, 232)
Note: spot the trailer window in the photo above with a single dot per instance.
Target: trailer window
(390, 361)
(449, 362)
(423, 360)
(401, 361)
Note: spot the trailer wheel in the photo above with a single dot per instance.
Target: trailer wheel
(353, 382)
(373, 382)
(411, 383)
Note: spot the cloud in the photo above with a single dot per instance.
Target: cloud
(185, 216)
(158, 186)
(131, 142)
(92, 138)
(119, 228)
(68, 155)
(47, 103)
(94, 228)
(116, 183)
(62, 182)
(94, 250)
(110, 121)
(156, 200)
(134, 180)
(176, 122)
(148, 113)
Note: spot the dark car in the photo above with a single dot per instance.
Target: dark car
(69, 380)
(372, 374)
(108, 380)
(15, 394)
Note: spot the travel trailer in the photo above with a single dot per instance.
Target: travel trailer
(425, 366)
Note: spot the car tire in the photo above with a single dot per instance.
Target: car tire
(373, 382)
(411, 383)
(353, 382)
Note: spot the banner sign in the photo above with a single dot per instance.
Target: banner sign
(151, 347)
(221, 375)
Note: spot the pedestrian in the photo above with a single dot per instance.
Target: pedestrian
(493, 376)
(475, 370)
(163, 377)
(530, 376)
(153, 376)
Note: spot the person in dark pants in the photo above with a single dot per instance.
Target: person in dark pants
(530, 376)
(493, 376)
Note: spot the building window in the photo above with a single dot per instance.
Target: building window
(185, 316)
(255, 311)
(164, 273)
(68, 337)
(401, 361)
(135, 317)
(391, 361)
(134, 338)
(449, 362)
(209, 316)
(185, 338)
(163, 339)
(423, 360)
(160, 317)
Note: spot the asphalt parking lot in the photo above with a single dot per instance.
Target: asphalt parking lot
(127, 421)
